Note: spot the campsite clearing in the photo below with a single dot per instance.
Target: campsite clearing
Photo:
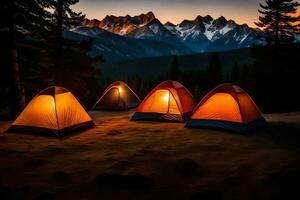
(123, 159)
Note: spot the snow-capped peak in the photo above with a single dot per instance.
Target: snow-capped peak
(198, 34)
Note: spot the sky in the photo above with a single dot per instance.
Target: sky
(241, 11)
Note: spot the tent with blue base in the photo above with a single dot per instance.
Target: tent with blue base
(169, 101)
(227, 107)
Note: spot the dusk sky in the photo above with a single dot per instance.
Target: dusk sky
(242, 11)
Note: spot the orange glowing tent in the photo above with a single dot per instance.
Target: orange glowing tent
(118, 96)
(54, 110)
(169, 101)
(227, 107)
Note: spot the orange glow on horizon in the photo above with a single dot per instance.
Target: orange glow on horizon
(174, 13)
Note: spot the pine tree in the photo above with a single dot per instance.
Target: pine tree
(174, 73)
(77, 74)
(214, 71)
(21, 21)
(245, 77)
(31, 31)
(235, 73)
(278, 20)
(65, 58)
(64, 18)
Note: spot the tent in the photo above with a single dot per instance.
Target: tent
(227, 107)
(54, 110)
(169, 101)
(118, 96)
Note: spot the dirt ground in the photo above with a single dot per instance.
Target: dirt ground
(120, 159)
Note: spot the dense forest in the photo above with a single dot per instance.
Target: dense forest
(271, 81)
(34, 55)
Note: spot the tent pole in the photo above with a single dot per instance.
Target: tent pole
(54, 96)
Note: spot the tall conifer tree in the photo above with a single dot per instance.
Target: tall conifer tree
(214, 71)
(278, 20)
(174, 73)
(64, 18)
(19, 18)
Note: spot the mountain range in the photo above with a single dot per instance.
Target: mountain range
(201, 34)
(130, 37)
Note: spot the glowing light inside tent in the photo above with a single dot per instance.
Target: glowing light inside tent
(167, 97)
(120, 89)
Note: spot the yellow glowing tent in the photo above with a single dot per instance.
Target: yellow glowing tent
(118, 96)
(54, 110)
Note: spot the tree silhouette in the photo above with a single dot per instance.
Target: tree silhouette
(64, 18)
(245, 76)
(77, 74)
(214, 71)
(278, 22)
(235, 73)
(19, 20)
(34, 54)
(174, 72)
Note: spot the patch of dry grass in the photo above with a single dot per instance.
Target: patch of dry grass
(120, 159)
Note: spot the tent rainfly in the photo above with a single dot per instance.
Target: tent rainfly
(55, 110)
(118, 96)
(169, 101)
(227, 107)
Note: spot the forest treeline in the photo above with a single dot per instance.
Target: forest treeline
(34, 55)
(272, 80)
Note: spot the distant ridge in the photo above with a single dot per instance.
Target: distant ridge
(123, 38)
(122, 24)
(201, 34)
